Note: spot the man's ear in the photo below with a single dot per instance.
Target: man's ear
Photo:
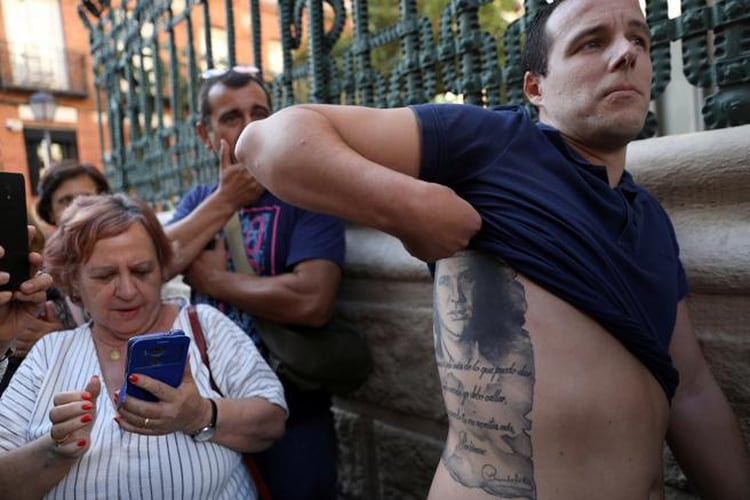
(206, 136)
(532, 88)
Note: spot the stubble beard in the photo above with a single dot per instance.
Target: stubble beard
(613, 133)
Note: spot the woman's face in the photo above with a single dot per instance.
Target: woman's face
(68, 190)
(121, 282)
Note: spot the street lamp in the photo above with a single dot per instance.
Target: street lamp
(43, 108)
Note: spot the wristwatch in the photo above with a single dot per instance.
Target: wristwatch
(208, 431)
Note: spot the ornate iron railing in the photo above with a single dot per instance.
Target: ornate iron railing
(148, 55)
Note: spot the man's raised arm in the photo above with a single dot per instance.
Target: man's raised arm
(359, 164)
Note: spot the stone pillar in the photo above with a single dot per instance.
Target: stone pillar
(391, 432)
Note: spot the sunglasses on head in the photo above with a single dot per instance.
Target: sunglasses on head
(219, 72)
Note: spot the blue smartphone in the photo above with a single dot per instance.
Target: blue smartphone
(158, 355)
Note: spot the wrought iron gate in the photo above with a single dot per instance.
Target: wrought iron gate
(148, 54)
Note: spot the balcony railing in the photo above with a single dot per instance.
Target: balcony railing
(34, 67)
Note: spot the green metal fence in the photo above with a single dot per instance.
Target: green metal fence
(147, 55)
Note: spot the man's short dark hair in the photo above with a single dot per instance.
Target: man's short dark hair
(231, 79)
(537, 44)
(60, 172)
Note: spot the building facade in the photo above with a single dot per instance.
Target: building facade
(43, 48)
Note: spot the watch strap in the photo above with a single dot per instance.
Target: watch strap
(211, 424)
(214, 413)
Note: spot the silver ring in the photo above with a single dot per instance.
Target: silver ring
(145, 422)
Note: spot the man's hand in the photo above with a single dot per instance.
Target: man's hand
(444, 223)
(236, 184)
(207, 267)
(37, 328)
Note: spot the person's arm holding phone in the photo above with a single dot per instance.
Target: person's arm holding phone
(19, 307)
(250, 410)
(243, 424)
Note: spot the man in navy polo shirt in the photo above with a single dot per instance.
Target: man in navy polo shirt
(562, 374)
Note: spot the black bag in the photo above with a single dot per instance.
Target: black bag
(332, 357)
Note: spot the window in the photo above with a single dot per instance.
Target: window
(62, 146)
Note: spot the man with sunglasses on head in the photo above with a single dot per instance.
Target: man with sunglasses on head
(594, 362)
(296, 256)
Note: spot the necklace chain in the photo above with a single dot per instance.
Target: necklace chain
(114, 351)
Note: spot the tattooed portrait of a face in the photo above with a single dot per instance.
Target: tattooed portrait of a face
(486, 365)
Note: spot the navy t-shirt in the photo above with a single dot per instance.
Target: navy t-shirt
(549, 213)
(277, 236)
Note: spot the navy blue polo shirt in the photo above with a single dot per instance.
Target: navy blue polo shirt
(549, 213)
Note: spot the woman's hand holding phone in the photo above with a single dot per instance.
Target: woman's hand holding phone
(178, 409)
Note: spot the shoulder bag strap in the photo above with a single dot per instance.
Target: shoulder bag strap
(200, 341)
(263, 492)
(233, 235)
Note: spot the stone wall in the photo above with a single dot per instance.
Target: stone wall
(391, 431)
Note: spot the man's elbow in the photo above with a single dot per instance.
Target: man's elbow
(317, 312)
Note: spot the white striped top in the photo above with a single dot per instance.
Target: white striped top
(124, 465)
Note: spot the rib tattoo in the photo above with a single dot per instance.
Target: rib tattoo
(486, 365)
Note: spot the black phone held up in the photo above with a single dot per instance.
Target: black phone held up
(158, 355)
(14, 235)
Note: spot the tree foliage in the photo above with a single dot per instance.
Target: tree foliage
(494, 17)
(383, 15)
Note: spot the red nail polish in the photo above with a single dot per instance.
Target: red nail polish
(86, 418)
(87, 406)
(133, 378)
(81, 443)
(86, 395)
(115, 399)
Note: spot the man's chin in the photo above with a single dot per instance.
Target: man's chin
(619, 134)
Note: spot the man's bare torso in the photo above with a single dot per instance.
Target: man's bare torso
(542, 402)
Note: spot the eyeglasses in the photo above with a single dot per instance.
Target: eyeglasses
(219, 72)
